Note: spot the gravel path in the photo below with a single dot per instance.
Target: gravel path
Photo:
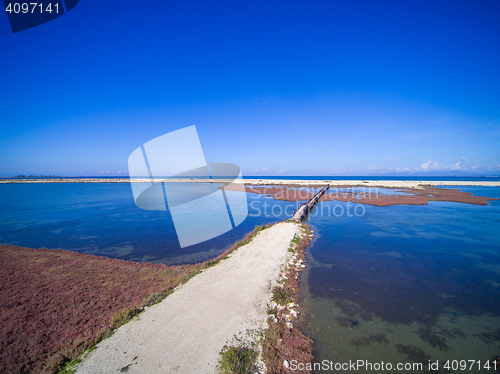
(186, 331)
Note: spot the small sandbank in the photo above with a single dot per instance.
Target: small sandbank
(371, 195)
(186, 331)
(267, 182)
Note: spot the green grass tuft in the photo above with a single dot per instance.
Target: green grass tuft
(282, 296)
(237, 360)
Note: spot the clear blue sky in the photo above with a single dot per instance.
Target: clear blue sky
(290, 88)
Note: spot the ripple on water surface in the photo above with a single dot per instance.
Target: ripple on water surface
(406, 283)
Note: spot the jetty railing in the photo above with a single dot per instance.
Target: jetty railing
(301, 211)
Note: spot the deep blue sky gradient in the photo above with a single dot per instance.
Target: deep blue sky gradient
(278, 88)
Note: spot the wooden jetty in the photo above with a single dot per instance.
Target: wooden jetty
(304, 208)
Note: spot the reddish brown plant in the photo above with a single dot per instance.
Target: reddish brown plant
(282, 342)
(403, 196)
(55, 304)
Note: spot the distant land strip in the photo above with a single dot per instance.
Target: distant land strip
(267, 182)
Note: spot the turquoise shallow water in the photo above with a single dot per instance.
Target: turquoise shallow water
(404, 284)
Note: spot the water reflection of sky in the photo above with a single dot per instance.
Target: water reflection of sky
(407, 282)
(102, 219)
(395, 283)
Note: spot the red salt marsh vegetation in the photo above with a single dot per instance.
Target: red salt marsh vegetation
(55, 304)
(420, 197)
(282, 341)
(371, 195)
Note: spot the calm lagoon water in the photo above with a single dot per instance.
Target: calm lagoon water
(102, 219)
(395, 284)
(405, 284)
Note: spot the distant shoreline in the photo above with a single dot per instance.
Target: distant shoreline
(270, 182)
